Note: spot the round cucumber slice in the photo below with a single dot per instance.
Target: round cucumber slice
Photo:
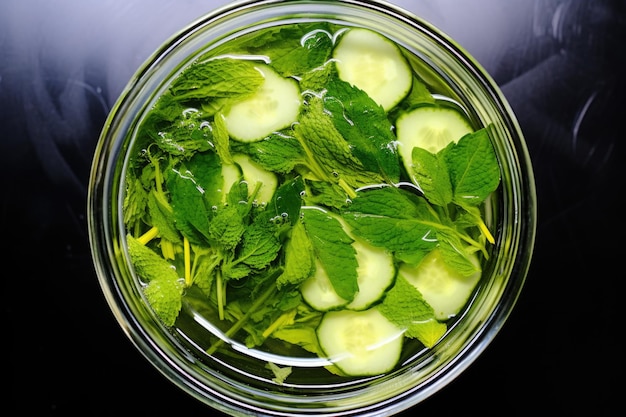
(374, 64)
(431, 128)
(375, 274)
(443, 288)
(273, 107)
(360, 343)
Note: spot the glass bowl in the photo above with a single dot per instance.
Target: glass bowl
(249, 388)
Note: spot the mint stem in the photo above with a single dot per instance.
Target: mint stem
(242, 321)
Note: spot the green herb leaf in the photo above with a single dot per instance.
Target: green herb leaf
(279, 153)
(431, 174)
(310, 52)
(165, 297)
(206, 169)
(178, 130)
(455, 254)
(280, 374)
(299, 259)
(474, 169)
(163, 217)
(429, 332)
(330, 156)
(287, 200)
(148, 264)
(394, 219)
(364, 125)
(190, 207)
(260, 245)
(405, 307)
(135, 201)
(164, 290)
(226, 228)
(216, 78)
(333, 247)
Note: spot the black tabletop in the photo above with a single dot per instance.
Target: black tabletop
(559, 63)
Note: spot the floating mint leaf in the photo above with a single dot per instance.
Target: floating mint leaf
(365, 126)
(474, 169)
(394, 219)
(333, 248)
(432, 177)
(216, 78)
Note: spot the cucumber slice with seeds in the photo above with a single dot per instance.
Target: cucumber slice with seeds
(360, 343)
(273, 107)
(374, 64)
(431, 128)
(376, 273)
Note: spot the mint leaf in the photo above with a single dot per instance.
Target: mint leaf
(164, 289)
(260, 245)
(216, 78)
(162, 216)
(331, 157)
(364, 125)
(310, 52)
(299, 260)
(428, 332)
(474, 169)
(178, 130)
(287, 201)
(316, 79)
(333, 247)
(205, 262)
(431, 174)
(148, 264)
(206, 169)
(327, 194)
(404, 306)
(394, 219)
(221, 139)
(165, 297)
(455, 255)
(135, 201)
(226, 228)
(190, 207)
(279, 153)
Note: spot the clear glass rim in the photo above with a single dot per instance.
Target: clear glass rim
(518, 211)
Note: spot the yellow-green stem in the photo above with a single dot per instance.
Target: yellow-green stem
(187, 257)
(149, 235)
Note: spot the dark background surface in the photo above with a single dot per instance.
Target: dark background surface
(559, 62)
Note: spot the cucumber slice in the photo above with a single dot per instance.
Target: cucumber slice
(431, 128)
(376, 273)
(360, 343)
(443, 288)
(254, 174)
(374, 64)
(273, 107)
(318, 292)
